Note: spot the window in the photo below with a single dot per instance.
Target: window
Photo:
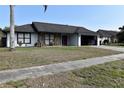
(24, 38)
(49, 39)
(20, 38)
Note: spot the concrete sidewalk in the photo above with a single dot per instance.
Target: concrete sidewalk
(31, 72)
(115, 48)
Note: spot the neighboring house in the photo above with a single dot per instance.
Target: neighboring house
(106, 36)
(49, 34)
(2, 38)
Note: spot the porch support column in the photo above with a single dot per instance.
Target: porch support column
(98, 40)
(79, 40)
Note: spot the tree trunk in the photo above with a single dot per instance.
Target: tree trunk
(12, 31)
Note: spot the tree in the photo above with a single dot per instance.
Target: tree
(121, 28)
(6, 28)
(120, 35)
(12, 26)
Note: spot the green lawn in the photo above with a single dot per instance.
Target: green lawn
(104, 75)
(27, 57)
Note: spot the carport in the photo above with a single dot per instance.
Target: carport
(87, 37)
(88, 40)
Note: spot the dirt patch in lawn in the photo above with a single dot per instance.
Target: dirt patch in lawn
(27, 57)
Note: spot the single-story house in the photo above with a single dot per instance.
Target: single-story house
(49, 34)
(2, 38)
(106, 36)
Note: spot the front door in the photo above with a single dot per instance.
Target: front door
(64, 40)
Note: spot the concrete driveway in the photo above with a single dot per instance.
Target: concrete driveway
(115, 48)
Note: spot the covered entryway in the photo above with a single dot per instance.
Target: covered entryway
(64, 40)
(88, 40)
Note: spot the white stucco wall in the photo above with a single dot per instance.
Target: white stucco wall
(74, 39)
(79, 40)
(98, 40)
(34, 38)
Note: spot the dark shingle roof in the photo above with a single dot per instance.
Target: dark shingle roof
(24, 28)
(58, 28)
(107, 33)
(50, 27)
(53, 28)
(85, 31)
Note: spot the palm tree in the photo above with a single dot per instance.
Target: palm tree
(12, 26)
(121, 28)
(12, 31)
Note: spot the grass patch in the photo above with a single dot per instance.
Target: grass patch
(17, 84)
(108, 75)
(27, 57)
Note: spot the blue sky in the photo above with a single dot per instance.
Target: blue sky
(92, 17)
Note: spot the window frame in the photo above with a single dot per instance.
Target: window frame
(49, 38)
(24, 38)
